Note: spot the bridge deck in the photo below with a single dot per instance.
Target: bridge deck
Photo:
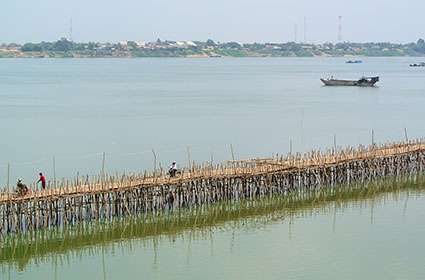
(238, 168)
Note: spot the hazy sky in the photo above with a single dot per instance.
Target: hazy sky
(221, 20)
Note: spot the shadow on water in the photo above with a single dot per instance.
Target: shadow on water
(59, 245)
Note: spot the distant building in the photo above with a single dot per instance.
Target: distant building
(141, 44)
(191, 43)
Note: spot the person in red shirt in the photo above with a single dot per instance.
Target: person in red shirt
(42, 180)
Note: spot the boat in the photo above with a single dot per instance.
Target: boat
(354, 61)
(362, 82)
(422, 64)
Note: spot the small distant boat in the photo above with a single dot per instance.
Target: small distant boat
(422, 64)
(362, 82)
(354, 61)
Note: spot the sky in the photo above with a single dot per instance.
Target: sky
(221, 20)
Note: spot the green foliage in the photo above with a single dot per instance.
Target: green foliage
(231, 45)
(62, 45)
(234, 49)
(231, 52)
(420, 46)
(210, 43)
(30, 47)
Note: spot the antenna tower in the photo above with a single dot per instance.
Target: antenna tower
(70, 30)
(340, 29)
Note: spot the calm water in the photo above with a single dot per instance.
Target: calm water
(376, 238)
(76, 109)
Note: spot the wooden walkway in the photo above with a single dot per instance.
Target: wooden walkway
(104, 198)
(241, 168)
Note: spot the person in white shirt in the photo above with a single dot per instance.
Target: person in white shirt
(173, 169)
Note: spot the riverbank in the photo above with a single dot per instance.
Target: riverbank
(64, 48)
(69, 55)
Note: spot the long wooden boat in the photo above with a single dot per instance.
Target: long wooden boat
(354, 61)
(362, 82)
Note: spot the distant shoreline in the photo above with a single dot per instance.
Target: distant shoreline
(129, 56)
(196, 58)
(64, 48)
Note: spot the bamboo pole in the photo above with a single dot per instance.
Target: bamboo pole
(54, 172)
(103, 167)
(8, 177)
(188, 157)
(290, 146)
(335, 150)
(232, 152)
(154, 162)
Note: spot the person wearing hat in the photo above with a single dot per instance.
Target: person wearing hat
(21, 188)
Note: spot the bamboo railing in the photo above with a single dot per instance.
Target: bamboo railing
(235, 168)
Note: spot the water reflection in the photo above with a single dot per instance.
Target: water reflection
(59, 246)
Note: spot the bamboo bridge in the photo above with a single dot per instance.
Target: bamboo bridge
(105, 197)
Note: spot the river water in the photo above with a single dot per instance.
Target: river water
(376, 237)
(76, 109)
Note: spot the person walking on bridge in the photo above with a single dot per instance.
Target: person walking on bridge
(42, 180)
